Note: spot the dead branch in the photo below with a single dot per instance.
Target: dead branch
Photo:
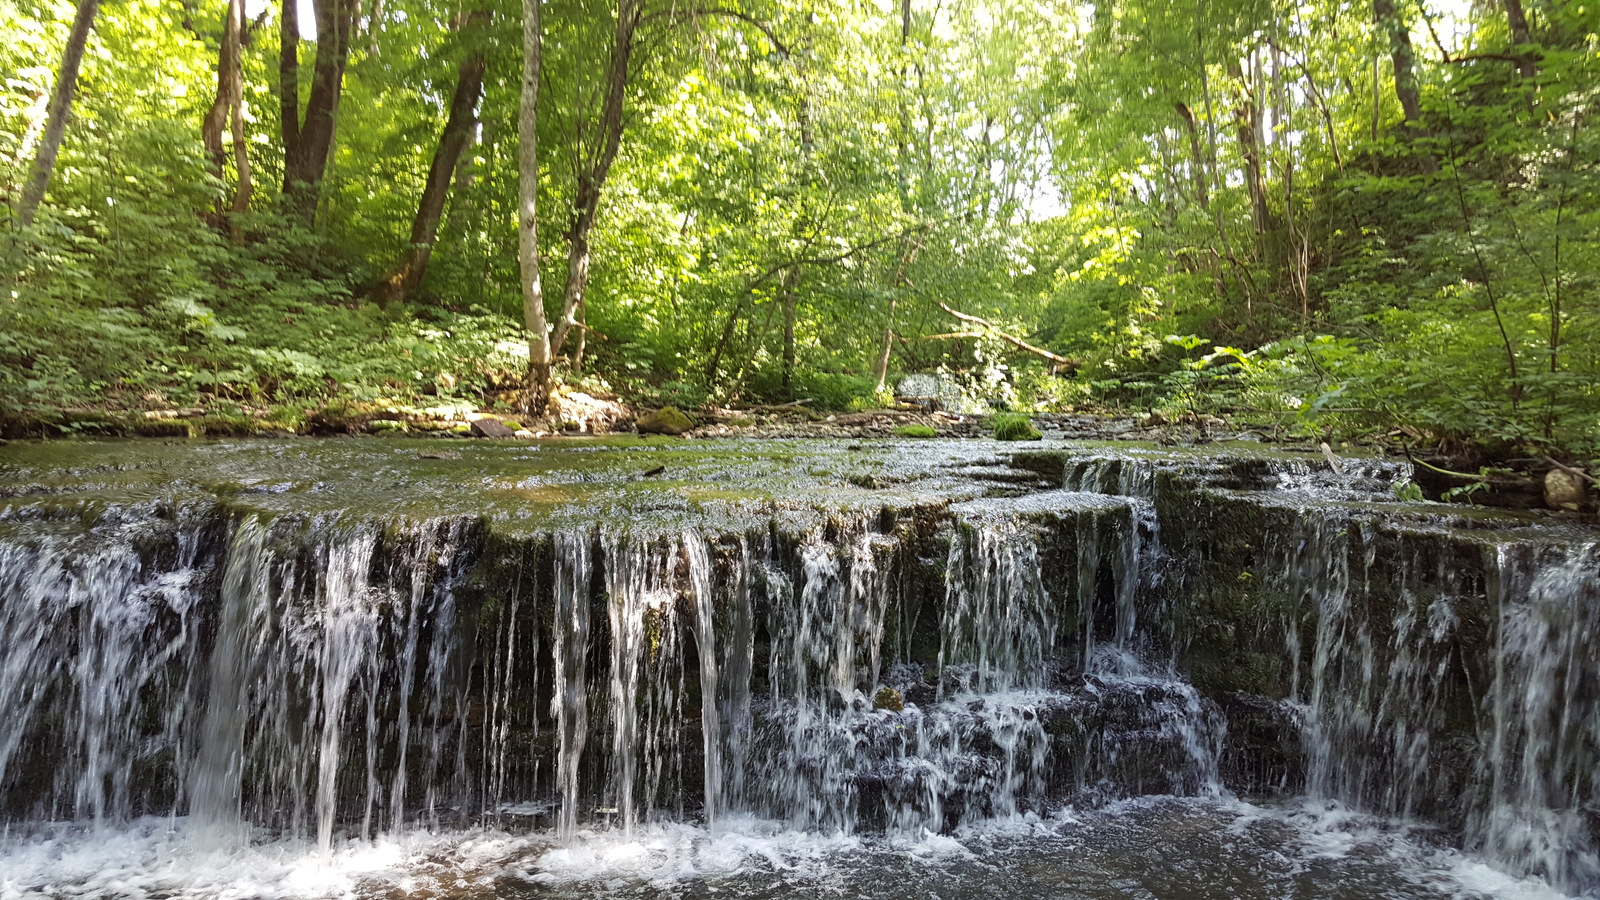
(1061, 362)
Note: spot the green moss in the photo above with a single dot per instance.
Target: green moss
(1014, 427)
(916, 431)
(667, 420)
(224, 424)
(888, 698)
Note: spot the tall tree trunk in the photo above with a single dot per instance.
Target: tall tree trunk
(1522, 37)
(228, 108)
(44, 162)
(459, 127)
(881, 364)
(289, 82)
(303, 169)
(229, 81)
(536, 393)
(593, 171)
(1401, 55)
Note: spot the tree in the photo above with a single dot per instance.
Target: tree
(308, 140)
(228, 107)
(460, 125)
(536, 391)
(1393, 26)
(60, 106)
(595, 153)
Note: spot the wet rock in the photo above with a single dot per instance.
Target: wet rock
(1154, 420)
(667, 420)
(491, 428)
(1563, 490)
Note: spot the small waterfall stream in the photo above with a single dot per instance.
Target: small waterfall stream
(1149, 627)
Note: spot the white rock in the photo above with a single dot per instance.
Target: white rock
(1563, 490)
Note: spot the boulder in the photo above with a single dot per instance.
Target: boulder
(888, 698)
(491, 428)
(1563, 490)
(667, 420)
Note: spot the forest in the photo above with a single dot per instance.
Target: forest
(1345, 221)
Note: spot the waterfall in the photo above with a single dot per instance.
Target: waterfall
(569, 701)
(1544, 704)
(1159, 624)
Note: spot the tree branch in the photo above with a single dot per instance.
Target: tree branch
(1061, 362)
(678, 15)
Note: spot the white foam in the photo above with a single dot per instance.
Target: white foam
(174, 858)
(674, 852)
(166, 857)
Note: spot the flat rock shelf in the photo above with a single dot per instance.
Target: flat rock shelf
(646, 668)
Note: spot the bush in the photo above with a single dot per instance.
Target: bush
(1014, 427)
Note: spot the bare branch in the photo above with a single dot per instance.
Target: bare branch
(1061, 362)
(678, 15)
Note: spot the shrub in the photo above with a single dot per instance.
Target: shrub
(1014, 427)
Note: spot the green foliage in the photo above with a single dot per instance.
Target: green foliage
(1014, 427)
(916, 431)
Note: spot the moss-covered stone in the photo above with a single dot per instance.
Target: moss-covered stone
(667, 420)
(889, 699)
(916, 431)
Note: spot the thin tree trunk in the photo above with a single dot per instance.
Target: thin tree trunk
(1522, 37)
(881, 365)
(289, 83)
(229, 108)
(44, 162)
(459, 127)
(304, 168)
(536, 393)
(592, 177)
(229, 81)
(1401, 55)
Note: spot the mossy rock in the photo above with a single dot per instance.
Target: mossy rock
(224, 424)
(340, 417)
(1014, 427)
(916, 431)
(667, 420)
(888, 698)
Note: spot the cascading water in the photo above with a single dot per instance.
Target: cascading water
(1543, 706)
(918, 667)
